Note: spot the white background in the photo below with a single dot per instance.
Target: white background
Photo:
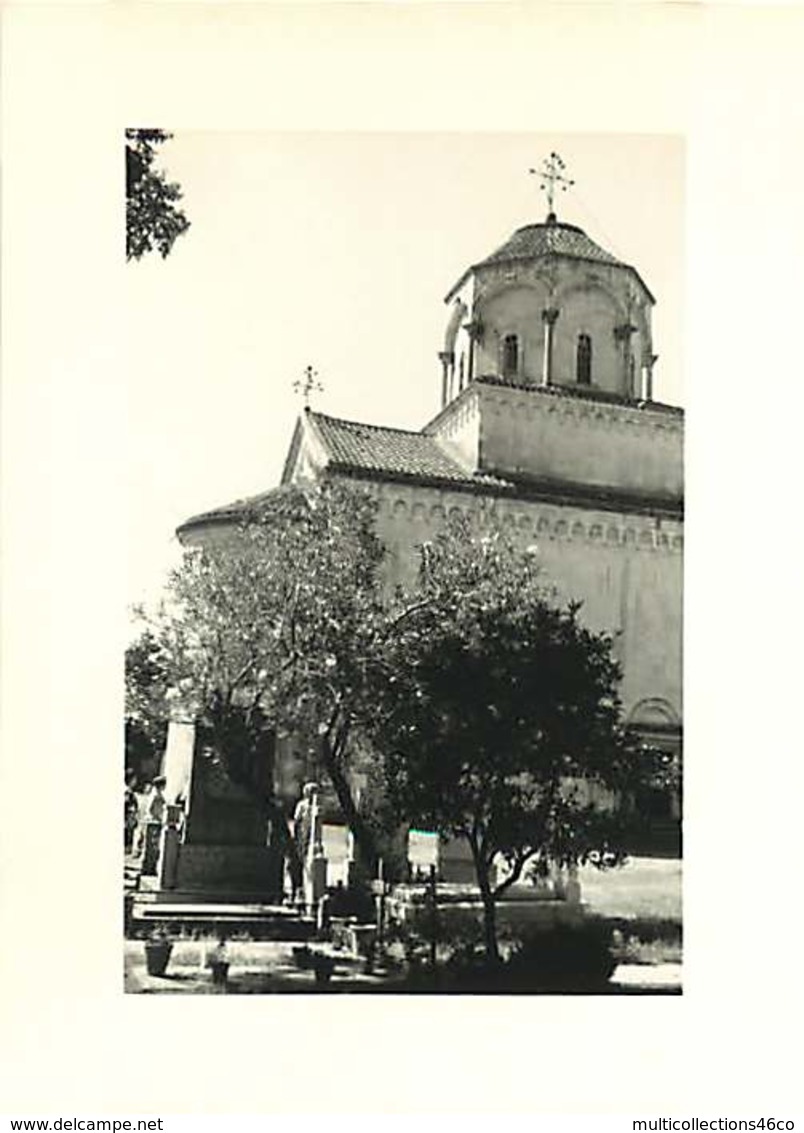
(727, 78)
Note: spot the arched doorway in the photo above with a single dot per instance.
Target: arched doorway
(656, 727)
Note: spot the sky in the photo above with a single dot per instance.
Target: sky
(336, 249)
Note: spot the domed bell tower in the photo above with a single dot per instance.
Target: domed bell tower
(550, 307)
(547, 366)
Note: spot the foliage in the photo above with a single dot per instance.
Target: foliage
(495, 709)
(498, 711)
(654, 943)
(153, 220)
(564, 957)
(561, 958)
(456, 934)
(273, 626)
(146, 700)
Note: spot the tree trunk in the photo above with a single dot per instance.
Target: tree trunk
(280, 834)
(363, 835)
(490, 925)
(489, 905)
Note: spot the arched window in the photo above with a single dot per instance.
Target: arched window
(510, 356)
(583, 368)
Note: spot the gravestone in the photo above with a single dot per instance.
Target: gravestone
(422, 853)
(339, 852)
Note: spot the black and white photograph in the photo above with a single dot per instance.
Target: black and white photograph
(405, 714)
(399, 510)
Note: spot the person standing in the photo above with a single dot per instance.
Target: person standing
(157, 803)
(152, 817)
(131, 815)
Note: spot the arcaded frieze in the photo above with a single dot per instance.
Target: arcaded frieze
(428, 509)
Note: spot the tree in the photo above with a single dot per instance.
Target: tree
(274, 627)
(153, 220)
(146, 704)
(496, 711)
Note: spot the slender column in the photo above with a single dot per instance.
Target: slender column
(647, 371)
(549, 316)
(474, 331)
(623, 336)
(447, 359)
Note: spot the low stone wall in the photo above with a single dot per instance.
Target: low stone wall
(533, 910)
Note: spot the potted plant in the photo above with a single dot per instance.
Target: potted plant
(321, 964)
(157, 952)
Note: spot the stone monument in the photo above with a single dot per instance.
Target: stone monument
(218, 834)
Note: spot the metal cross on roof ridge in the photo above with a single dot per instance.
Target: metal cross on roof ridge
(550, 175)
(308, 384)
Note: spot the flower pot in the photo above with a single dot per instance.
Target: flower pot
(157, 955)
(220, 971)
(323, 968)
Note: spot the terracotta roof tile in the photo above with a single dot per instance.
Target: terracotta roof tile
(554, 237)
(543, 239)
(226, 512)
(355, 447)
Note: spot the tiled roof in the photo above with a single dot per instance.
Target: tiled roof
(541, 239)
(554, 237)
(355, 447)
(227, 512)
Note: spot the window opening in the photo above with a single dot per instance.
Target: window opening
(510, 359)
(583, 374)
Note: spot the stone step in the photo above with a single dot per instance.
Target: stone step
(151, 893)
(259, 921)
(214, 909)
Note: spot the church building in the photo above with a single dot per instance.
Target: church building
(548, 422)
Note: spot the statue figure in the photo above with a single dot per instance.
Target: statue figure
(311, 878)
(303, 821)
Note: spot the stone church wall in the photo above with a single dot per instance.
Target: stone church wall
(585, 442)
(626, 569)
(589, 309)
(514, 309)
(592, 299)
(457, 428)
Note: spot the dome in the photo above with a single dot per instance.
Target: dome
(551, 238)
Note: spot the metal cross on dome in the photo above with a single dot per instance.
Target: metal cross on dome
(308, 384)
(550, 175)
